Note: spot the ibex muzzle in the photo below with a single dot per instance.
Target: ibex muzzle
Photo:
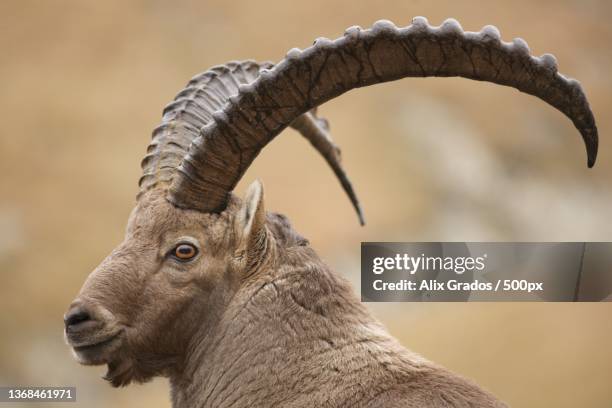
(228, 301)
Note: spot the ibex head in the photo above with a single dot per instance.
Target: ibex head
(165, 284)
(191, 245)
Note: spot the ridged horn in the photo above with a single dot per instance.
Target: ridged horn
(193, 108)
(218, 158)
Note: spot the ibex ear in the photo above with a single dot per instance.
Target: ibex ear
(251, 222)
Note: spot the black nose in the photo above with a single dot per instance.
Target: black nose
(76, 316)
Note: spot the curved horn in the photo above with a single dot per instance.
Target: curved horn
(316, 130)
(305, 79)
(193, 108)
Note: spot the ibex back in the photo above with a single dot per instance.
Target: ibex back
(227, 300)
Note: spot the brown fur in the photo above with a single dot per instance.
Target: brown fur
(256, 320)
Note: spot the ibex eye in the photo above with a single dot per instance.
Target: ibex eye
(184, 252)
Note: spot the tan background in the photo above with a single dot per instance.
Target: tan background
(83, 84)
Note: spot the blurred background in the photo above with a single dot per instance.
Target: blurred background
(83, 84)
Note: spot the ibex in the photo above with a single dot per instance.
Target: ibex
(225, 299)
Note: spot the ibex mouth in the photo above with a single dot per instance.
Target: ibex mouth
(99, 352)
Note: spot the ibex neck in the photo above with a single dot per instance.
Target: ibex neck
(297, 332)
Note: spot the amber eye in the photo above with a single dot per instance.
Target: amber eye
(184, 252)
